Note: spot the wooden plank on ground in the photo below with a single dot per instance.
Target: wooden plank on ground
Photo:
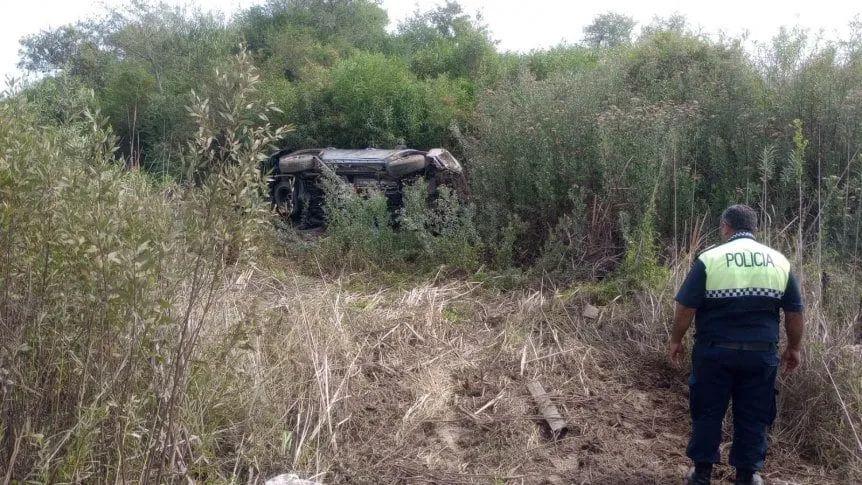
(548, 410)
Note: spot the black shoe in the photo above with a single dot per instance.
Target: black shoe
(694, 478)
(756, 479)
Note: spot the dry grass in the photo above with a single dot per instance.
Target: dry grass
(352, 383)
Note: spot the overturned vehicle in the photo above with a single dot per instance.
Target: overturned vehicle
(295, 178)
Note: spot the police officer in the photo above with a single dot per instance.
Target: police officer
(734, 292)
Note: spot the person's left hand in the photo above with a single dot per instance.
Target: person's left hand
(675, 353)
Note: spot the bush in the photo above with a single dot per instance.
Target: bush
(443, 229)
(374, 100)
(425, 233)
(108, 284)
(359, 227)
(640, 267)
(77, 348)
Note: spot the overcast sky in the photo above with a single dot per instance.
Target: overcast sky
(516, 24)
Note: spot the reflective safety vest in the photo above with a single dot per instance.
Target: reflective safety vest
(744, 267)
(739, 289)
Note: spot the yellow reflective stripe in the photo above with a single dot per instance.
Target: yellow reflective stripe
(747, 266)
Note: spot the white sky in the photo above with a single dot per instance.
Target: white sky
(517, 24)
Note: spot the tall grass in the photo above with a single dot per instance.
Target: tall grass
(109, 281)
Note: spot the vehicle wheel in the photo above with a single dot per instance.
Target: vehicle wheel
(285, 200)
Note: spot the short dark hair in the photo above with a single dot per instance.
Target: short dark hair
(740, 217)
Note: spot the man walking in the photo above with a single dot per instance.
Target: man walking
(734, 291)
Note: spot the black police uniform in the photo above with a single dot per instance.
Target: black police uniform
(738, 289)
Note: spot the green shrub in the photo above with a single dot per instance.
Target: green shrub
(359, 226)
(103, 245)
(108, 280)
(374, 100)
(443, 229)
(641, 267)
(363, 231)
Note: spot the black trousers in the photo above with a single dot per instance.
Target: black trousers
(745, 377)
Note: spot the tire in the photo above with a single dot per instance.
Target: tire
(285, 200)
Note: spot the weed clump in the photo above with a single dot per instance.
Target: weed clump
(427, 231)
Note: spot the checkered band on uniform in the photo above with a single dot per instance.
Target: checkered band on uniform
(741, 234)
(737, 292)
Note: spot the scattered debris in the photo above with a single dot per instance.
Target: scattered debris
(590, 312)
(548, 409)
(290, 479)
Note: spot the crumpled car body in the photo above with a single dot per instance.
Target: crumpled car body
(295, 176)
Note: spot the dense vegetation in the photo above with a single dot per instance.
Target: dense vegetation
(569, 149)
(130, 200)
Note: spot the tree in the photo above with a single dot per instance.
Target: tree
(345, 25)
(609, 30)
(51, 50)
(142, 61)
(445, 40)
